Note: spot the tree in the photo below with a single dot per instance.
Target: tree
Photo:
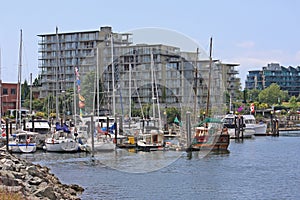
(253, 95)
(25, 91)
(172, 113)
(87, 90)
(293, 103)
(272, 95)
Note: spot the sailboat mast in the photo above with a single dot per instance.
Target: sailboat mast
(30, 110)
(18, 122)
(152, 85)
(74, 96)
(196, 89)
(209, 76)
(129, 93)
(56, 76)
(113, 75)
(97, 83)
(157, 101)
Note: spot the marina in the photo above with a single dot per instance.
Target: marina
(101, 107)
(270, 161)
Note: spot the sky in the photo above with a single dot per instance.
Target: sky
(250, 33)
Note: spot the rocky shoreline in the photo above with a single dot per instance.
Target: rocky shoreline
(33, 181)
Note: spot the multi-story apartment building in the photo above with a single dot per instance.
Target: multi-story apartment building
(60, 53)
(142, 73)
(288, 78)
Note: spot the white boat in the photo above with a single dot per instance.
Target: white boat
(151, 137)
(40, 126)
(231, 123)
(22, 142)
(260, 128)
(61, 141)
(152, 141)
(101, 143)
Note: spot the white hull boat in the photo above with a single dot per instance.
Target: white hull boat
(260, 129)
(230, 121)
(152, 141)
(61, 142)
(101, 143)
(23, 142)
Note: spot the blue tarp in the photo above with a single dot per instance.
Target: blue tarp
(113, 127)
(65, 127)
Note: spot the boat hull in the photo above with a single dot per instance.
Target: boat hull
(101, 144)
(66, 145)
(248, 133)
(22, 148)
(213, 143)
(260, 130)
(149, 147)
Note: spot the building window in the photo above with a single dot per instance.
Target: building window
(13, 91)
(5, 91)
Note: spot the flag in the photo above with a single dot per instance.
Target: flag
(252, 108)
(81, 104)
(81, 98)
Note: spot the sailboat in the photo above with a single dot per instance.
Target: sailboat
(23, 142)
(152, 137)
(61, 139)
(101, 138)
(210, 134)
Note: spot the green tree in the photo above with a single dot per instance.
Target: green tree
(293, 103)
(272, 95)
(37, 81)
(25, 91)
(87, 90)
(253, 95)
(172, 113)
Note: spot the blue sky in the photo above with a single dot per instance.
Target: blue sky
(251, 33)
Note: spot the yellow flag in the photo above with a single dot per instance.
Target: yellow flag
(81, 98)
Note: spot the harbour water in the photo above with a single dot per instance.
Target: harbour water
(260, 168)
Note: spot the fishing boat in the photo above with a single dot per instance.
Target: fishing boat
(210, 135)
(61, 140)
(151, 138)
(151, 135)
(22, 142)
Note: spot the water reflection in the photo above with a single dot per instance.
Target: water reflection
(121, 159)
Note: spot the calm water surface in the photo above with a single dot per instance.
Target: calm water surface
(261, 168)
